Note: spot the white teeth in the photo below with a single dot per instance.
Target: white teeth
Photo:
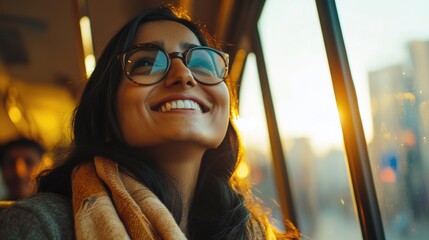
(180, 104)
(187, 103)
(197, 107)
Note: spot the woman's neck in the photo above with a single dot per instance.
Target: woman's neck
(181, 163)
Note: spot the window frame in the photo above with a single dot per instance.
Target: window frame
(362, 182)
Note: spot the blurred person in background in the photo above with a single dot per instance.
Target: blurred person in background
(20, 162)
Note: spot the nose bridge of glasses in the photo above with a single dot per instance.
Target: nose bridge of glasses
(182, 57)
(177, 55)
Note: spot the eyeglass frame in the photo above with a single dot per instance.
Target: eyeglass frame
(170, 56)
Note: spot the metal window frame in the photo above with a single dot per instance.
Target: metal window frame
(284, 190)
(351, 123)
(354, 140)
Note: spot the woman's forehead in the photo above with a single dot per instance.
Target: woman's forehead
(168, 34)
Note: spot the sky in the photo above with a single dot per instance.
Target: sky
(376, 34)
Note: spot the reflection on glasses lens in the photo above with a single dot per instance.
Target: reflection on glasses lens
(148, 64)
(206, 65)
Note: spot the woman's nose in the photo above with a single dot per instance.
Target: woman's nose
(179, 75)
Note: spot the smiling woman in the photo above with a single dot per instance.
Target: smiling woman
(142, 124)
(155, 151)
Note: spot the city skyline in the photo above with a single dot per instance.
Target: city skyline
(298, 70)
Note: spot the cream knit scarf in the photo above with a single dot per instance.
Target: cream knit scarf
(109, 204)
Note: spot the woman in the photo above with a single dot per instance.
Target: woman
(154, 147)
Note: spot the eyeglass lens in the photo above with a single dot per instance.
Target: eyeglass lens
(148, 65)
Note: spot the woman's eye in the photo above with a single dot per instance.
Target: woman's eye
(142, 66)
(202, 67)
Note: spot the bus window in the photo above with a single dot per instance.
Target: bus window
(252, 124)
(307, 118)
(388, 49)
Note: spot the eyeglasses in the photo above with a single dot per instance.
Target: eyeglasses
(147, 64)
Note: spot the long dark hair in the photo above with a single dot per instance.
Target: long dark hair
(219, 209)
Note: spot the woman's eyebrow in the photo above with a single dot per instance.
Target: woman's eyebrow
(183, 45)
(160, 44)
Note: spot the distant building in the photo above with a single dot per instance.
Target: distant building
(400, 111)
(420, 62)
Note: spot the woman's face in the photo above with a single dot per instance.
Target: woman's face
(142, 122)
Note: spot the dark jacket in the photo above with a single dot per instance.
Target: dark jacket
(44, 216)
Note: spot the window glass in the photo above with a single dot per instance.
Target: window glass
(387, 43)
(307, 117)
(253, 128)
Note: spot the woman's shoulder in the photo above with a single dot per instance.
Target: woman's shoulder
(43, 216)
